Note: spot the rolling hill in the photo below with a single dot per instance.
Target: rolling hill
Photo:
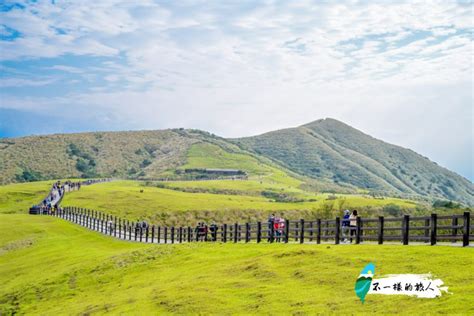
(329, 149)
(325, 155)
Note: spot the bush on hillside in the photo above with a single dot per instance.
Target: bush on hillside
(145, 163)
(392, 210)
(29, 176)
(446, 204)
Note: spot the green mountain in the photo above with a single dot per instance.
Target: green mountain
(329, 149)
(325, 155)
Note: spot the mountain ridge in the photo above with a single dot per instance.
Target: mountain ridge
(327, 151)
(353, 152)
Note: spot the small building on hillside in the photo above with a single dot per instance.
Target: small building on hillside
(220, 172)
(211, 173)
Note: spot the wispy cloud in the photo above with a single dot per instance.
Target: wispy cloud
(201, 64)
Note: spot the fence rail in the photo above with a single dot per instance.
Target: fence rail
(406, 229)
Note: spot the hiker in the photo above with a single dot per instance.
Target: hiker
(281, 227)
(110, 226)
(353, 223)
(276, 229)
(197, 231)
(345, 225)
(205, 231)
(271, 220)
(213, 228)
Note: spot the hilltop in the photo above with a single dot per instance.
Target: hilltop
(330, 149)
(325, 155)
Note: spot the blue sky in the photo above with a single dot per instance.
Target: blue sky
(399, 71)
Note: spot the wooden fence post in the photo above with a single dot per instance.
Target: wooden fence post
(224, 233)
(380, 230)
(405, 229)
(338, 229)
(259, 232)
(271, 232)
(152, 233)
(165, 233)
(172, 234)
(158, 234)
(311, 231)
(236, 227)
(180, 234)
(130, 230)
(247, 232)
(297, 231)
(318, 231)
(434, 228)
(358, 230)
(190, 234)
(101, 223)
(287, 230)
(146, 234)
(466, 228)
(301, 231)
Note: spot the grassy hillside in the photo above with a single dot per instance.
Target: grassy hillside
(118, 154)
(51, 267)
(324, 156)
(329, 149)
(173, 206)
(19, 197)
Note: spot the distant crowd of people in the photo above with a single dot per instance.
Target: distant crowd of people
(50, 203)
(278, 225)
(202, 231)
(276, 228)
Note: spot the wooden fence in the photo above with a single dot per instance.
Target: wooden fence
(406, 229)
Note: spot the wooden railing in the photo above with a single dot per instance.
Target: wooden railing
(426, 229)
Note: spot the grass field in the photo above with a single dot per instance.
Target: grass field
(18, 198)
(166, 206)
(51, 267)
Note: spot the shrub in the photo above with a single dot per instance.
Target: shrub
(392, 210)
(446, 204)
(145, 163)
(28, 176)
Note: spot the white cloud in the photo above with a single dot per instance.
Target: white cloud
(20, 82)
(240, 69)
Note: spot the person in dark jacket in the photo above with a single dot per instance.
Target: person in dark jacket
(345, 225)
(271, 222)
(213, 228)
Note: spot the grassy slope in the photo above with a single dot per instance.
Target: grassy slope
(165, 206)
(48, 266)
(123, 198)
(328, 149)
(119, 154)
(17, 198)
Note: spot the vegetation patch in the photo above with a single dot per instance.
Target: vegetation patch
(97, 274)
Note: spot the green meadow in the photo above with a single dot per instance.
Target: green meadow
(219, 200)
(18, 197)
(51, 267)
